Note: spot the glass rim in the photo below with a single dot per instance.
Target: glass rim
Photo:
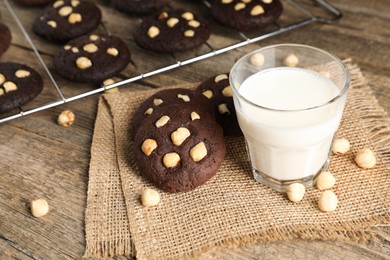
(274, 46)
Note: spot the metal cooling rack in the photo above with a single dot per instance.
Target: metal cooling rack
(309, 17)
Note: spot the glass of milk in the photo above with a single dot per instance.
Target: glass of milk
(289, 100)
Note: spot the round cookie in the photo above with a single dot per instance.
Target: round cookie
(219, 92)
(246, 14)
(178, 148)
(5, 38)
(172, 31)
(18, 85)
(33, 2)
(139, 7)
(166, 97)
(67, 19)
(92, 58)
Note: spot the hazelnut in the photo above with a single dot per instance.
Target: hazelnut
(112, 51)
(325, 181)
(39, 208)
(295, 192)
(75, 3)
(223, 109)
(365, 158)
(220, 77)
(340, 146)
(52, 23)
(208, 93)
(328, 201)
(153, 31)
(83, 63)
(108, 82)
(257, 10)
(67, 47)
(75, 50)
(65, 11)
(185, 98)
(227, 91)
(162, 121)
(239, 6)
(189, 33)
(194, 116)
(2, 78)
(172, 22)
(194, 23)
(157, 101)
(66, 118)
(94, 37)
(75, 18)
(171, 160)
(58, 3)
(180, 135)
(163, 15)
(148, 146)
(9, 86)
(22, 73)
(291, 60)
(148, 111)
(150, 197)
(198, 152)
(257, 59)
(226, 1)
(267, 1)
(188, 16)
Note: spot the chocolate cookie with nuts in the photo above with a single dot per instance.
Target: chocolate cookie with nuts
(220, 95)
(246, 14)
(139, 7)
(18, 85)
(172, 31)
(166, 97)
(179, 148)
(67, 19)
(92, 58)
(5, 38)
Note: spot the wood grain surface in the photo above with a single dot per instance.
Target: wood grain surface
(39, 159)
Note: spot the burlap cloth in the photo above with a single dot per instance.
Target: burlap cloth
(231, 209)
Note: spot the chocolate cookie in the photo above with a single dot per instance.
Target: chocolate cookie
(179, 148)
(33, 2)
(246, 14)
(172, 31)
(139, 7)
(5, 38)
(67, 19)
(18, 85)
(163, 98)
(92, 58)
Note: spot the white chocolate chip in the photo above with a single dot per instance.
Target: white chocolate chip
(223, 109)
(325, 181)
(227, 91)
(162, 121)
(220, 77)
(148, 146)
(39, 208)
(9, 86)
(22, 73)
(257, 10)
(328, 201)
(172, 22)
(112, 51)
(291, 60)
(90, 48)
(75, 18)
(150, 197)
(83, 63)
(75, 3)
(163, 15)
(267, 1)
(148, 111)
(58, 3)
(185, 98)
(194, 23)
(67, 47)
(239, 6)
(257, 59)
(66, 118)
(188, 16)
(94, 37)
(2, 78)
(65, 11)
(171, 160)
(180, 135)
(153, 31)
(295, 192)
(208, 93)
(75, 50)
(157, 101)
(226, 1)
(194, 116)
(365, 158)
(108, 82)
(198, 152)
(52, 23)
(340, 146)
(189, 33)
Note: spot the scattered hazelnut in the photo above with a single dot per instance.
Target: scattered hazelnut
(148, 146)
(171, 160)
(180, 135)
(22, 73)
(208, 93)
(75, 18)
(83, 63)
(189, 33)
(188, 16)
(340, 146)
(267, 1)
(150, 197)
(9, 86)
(220, 77)
(194, 116)
(257, 59)
(257, 10)
(226, 1)
(65, 11)
(148, 111)
(328, 201)
(94, 37)
(198, 152)
(153, 31)
(172, 22)
(58, 3)
(295, 192)
(227, 91)
(2, 78)
(162, 121)
(39, 208)
(365, 158)
(66, 118)
(90, 48)
(52, 23)
(194, 23)
(157, 101)
(239, 6)
(112, 51)
(223, 109)
(185, 98)
(325, 181)
(163, 15)
(291, 60)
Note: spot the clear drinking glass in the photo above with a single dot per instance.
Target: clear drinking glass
(289, 100)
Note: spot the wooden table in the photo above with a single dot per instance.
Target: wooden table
(39, 159)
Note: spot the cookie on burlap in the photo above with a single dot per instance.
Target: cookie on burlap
(139, 7)
(18, 85)
(178, 148)
(246, 14)
(172, 31)
(166, 97)
(5, 38)
(92, 58)
(220, 94)
(33, 2)
(67, 19)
